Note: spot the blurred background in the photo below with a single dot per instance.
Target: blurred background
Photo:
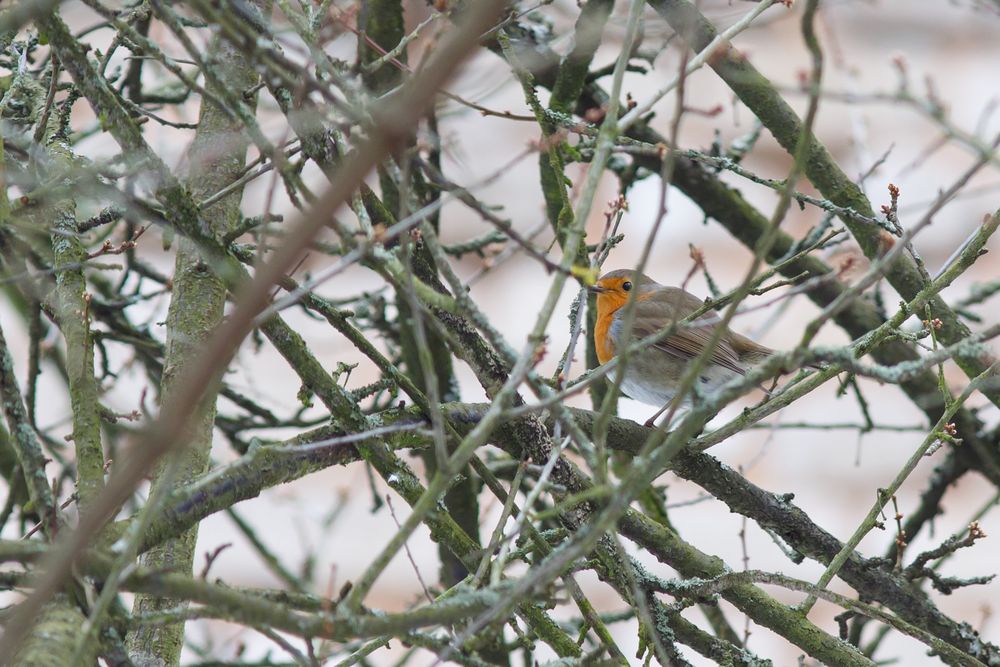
(947, 52)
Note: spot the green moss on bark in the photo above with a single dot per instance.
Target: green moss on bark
(197, 303)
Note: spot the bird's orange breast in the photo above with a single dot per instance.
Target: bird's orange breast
(608, 305)
(602, 334)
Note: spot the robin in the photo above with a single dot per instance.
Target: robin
(653, 374)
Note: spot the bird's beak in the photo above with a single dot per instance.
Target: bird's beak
(597, 289)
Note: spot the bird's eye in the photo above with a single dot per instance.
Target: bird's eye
(626, 285)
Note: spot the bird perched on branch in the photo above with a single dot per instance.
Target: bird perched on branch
(653, 374)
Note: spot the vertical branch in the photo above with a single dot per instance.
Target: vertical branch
(426, 357)
(72, 308)
(575, 66)
(570, 79)
(19, 109)
(58, 619)
(566, 91)
(217, 157)
(29, 451)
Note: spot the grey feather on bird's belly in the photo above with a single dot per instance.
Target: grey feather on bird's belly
(646, 370)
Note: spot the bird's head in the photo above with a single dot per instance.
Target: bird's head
(613, 288)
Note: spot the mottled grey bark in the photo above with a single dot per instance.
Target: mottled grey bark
(216, 158)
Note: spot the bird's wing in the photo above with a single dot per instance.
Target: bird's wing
(749, 350)
(686, 343)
